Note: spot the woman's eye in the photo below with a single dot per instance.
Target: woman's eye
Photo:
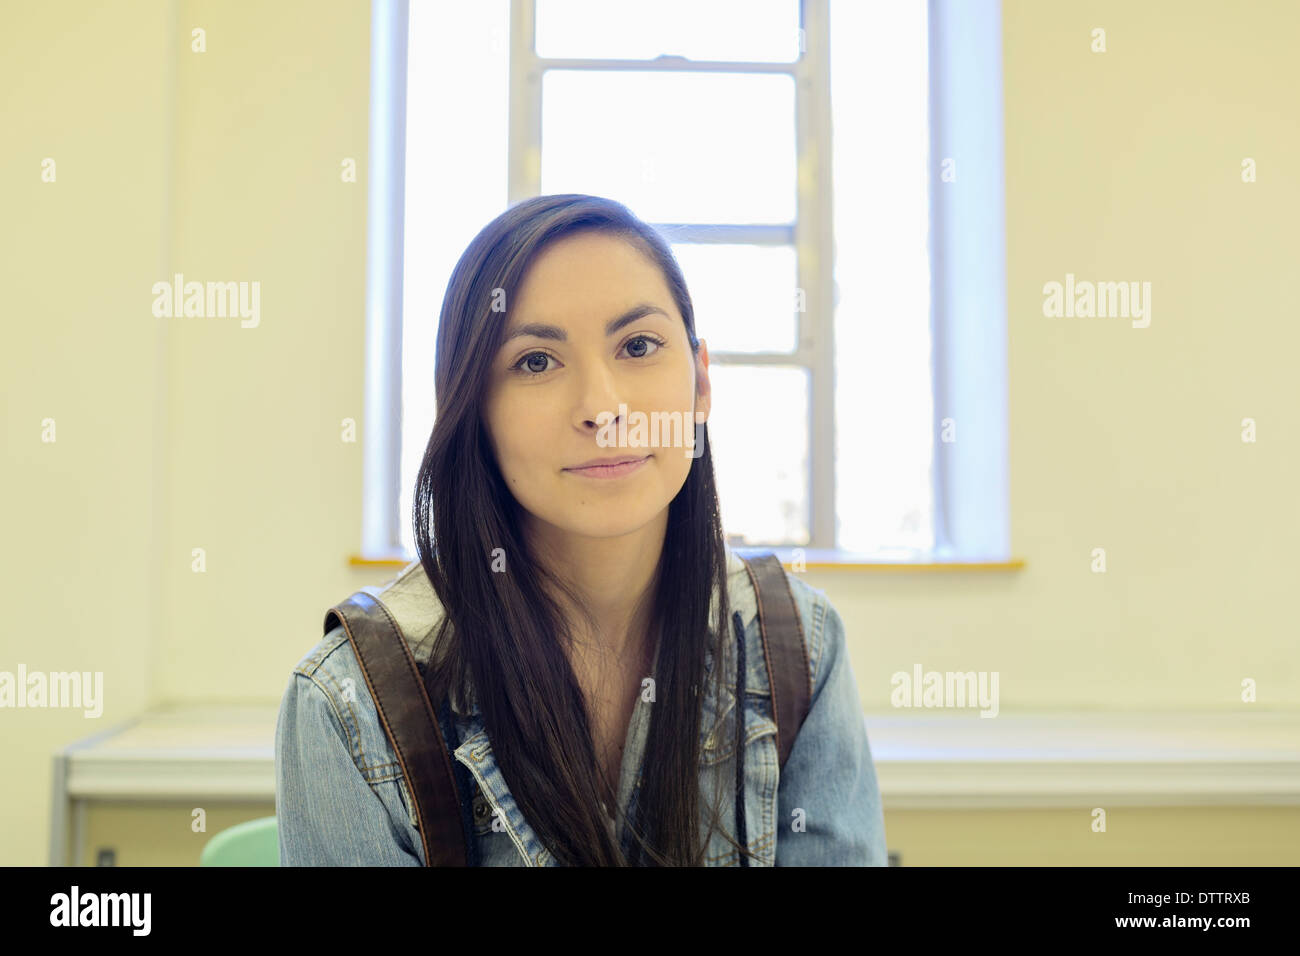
(639, 353)
(527, 364)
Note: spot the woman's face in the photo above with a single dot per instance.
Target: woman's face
(549, 394)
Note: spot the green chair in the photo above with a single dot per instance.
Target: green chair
(253, 843)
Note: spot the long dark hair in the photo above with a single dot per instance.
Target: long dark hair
(503, 634)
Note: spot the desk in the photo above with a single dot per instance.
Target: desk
(210, 752)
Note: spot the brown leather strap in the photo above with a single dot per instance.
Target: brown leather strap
(784, 648)
(408, 718)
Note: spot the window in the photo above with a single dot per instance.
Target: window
(784, 148)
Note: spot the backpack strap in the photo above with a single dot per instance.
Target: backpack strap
(409, 721)
(784, 648)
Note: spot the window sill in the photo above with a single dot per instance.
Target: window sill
(834, 559)
(813, 560)
(361, 561)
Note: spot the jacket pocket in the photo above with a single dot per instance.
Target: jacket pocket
(720, 744)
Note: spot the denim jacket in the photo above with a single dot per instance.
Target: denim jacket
(341, 798)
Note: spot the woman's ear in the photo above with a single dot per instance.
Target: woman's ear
(703, 390)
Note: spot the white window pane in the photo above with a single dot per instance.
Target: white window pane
(758, 431)
(731, 30)
(673, 147)
(744, 295)
(450, 193)
(883, 394)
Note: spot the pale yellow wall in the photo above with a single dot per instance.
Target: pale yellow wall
(182, 433)
(1134, 836)
(80, 531)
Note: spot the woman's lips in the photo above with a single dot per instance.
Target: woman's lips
(609, 471)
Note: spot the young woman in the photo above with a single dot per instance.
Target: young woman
(571, 611)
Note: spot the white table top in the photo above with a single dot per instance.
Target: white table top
(924, 759)
(942, 759)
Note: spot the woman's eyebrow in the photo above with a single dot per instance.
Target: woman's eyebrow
(542, 331)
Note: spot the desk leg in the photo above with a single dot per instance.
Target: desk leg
(79, 832)
(59, 814)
